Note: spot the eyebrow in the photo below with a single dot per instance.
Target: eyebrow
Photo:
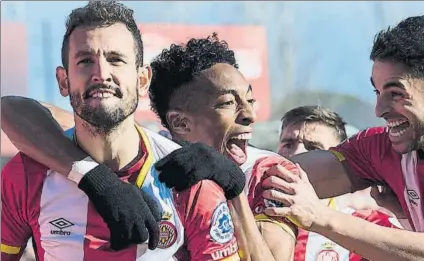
(393, 84)
(234, 92)
(390, 84)
(85, 53)
(315, 143)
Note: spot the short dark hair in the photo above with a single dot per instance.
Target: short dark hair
(102, 13)
(179, 65)
(316, 114)
(403, 43)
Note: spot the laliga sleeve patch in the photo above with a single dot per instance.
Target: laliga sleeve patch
(222, 228)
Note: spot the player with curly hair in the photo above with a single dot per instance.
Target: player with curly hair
(392, 156)
(200, 95)
(96, 194)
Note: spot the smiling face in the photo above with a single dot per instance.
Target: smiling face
(102, 80)
(221, 113)
(400, 101)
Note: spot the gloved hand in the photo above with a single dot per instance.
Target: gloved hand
(194, 162)
(130, 214)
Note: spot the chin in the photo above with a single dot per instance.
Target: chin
(401, 148)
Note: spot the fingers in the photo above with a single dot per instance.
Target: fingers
(302, 174)
(275, 195)
(153, 229)
(282, 172)
(281, 212)
(153, 206)
(275, 182)
(117, 240)
(162, 162)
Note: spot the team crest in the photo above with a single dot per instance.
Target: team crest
(222, 228)
(167, 234)
(328, 253)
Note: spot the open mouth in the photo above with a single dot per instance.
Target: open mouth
(236, 147)
(398, 127)
(100, 94)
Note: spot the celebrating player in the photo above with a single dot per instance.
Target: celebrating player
(392, 156)
(310, 128)
(103, 75)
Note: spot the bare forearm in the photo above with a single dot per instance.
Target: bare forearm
(370, 240)
(252, 245)
(33, 130)
(325, 171)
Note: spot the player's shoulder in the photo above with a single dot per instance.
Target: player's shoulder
(160, 145)
(370, 135)
(22, 170)
(203, 197)
(254, 155)
(206, 191)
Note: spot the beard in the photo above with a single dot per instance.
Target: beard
(104, 119)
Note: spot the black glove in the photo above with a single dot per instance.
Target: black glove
(194, 162)
(130, 214)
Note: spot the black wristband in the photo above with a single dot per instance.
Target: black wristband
(97, 179)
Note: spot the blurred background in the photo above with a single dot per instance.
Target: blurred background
(293, 53)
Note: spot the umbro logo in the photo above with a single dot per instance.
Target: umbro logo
(412, 196)
(61, 227)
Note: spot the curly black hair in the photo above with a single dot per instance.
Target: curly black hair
(179, 65)
(102, 13)
(403, 43)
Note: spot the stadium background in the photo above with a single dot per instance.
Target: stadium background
(293, 53)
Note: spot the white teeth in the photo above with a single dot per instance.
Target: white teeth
(101, 95)
(397, 134)
(396, 123)
(243, 136)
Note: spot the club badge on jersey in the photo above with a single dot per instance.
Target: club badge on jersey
(222, 228)
(328, 253)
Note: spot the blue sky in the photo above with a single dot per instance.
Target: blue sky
(327, 43)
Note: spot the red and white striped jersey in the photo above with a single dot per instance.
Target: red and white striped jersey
(40, 203)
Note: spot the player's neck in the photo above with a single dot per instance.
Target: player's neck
(116, 149)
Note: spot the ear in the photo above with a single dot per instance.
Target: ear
(62, 81)
(144, 79)
(179, 122)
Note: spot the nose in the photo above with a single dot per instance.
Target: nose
(382, 106)
(247, 115)
(101, 71)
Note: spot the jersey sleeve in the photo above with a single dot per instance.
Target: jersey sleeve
(15, 229)
(257, 202)
(207, 221)
(378, 218)
(362, 153)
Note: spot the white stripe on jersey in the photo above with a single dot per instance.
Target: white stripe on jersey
(63, 209)
(412, 193)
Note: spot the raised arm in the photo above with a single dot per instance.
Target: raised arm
(33, 130)
(31, 126)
